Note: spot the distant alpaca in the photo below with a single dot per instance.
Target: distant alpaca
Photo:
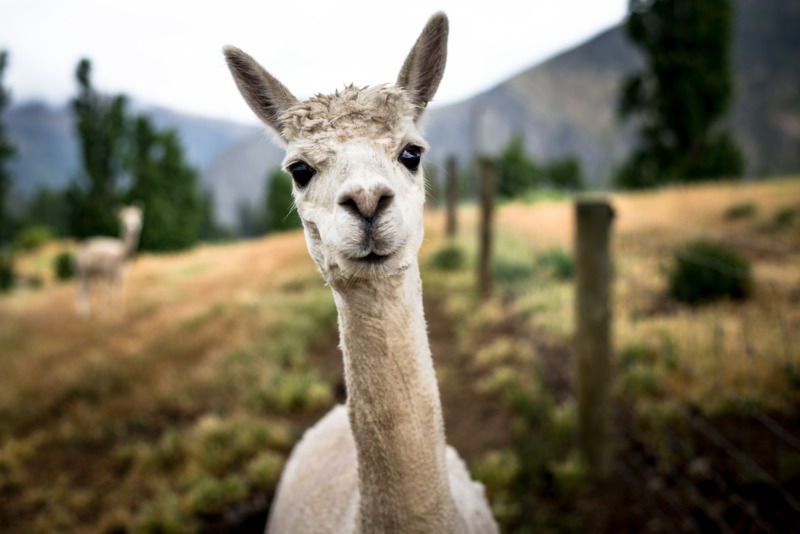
(104, 260)
(380, 464)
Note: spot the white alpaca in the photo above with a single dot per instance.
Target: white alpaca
(380, 464)
(105, 260)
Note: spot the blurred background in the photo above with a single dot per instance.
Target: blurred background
(660, 136)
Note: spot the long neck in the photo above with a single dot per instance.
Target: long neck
(394, 408)
(130, 241)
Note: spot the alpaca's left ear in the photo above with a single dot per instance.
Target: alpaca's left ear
(424, 66)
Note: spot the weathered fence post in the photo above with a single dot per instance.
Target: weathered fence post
(451, 195)
(487, 176)
(592, 335)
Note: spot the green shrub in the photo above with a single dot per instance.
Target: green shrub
(740, 211)
(510, 274)
(32, 237)
(211, 495)
(6, 270)
(570, 475)
(450, 257)
(163, 515)
(264, 470)
(705, 271)
(293, 391)
(785, 217)
(497, 469)
(558, 261)
(64, 266)
(219, 445)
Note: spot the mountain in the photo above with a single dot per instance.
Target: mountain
(230, 157)
(565, 105)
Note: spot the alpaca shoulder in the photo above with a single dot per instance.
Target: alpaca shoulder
(469, 495)
(320, 480)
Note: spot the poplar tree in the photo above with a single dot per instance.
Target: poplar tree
(680, 97)
(167, 186)
(7, 151)
(101, 126)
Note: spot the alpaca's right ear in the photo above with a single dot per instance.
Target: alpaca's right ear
(266, 96)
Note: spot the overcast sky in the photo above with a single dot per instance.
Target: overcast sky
(168, 52)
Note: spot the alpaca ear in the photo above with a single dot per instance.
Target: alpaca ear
(424, 66)
(266, 96)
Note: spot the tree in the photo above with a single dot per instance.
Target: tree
(118, 149)
(280, 214)
(167, 187)
(564, 173)
(517, 171)
(101, 124)
(7, 151)
(682, 94)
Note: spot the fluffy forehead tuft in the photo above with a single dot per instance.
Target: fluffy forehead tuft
(375, 111)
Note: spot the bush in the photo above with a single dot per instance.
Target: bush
(64, 266)
(559, 261)
(209, 495)
(163, 515)
(32, 237)
(740, 211)
(6, 270)
(450, 257)
(705, 271)
(264, 470)
(785, 217)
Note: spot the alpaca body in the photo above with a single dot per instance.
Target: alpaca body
(321, 480)
(380, 464)
(104, 261)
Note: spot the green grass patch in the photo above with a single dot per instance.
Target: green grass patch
(740, 211)
(704, 271)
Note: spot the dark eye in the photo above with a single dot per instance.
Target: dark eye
(301, 173)
(409, 157)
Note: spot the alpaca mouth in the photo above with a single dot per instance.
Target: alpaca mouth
(373, 258)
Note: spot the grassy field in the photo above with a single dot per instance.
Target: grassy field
(177, 415)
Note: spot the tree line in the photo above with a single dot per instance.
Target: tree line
(679, 100)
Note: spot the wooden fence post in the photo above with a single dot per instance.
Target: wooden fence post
(593, 337)
(451, 196)
(487, 176)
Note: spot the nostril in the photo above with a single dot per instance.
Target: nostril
(384, 202)
(350, 204)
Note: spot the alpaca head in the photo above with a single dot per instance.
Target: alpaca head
(130, 217)
(354, 157)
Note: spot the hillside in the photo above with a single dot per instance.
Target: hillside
(178, 415)
(563, 106)
(567, 104)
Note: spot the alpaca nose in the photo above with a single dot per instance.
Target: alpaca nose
(367, 204)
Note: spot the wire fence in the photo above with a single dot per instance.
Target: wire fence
(707, 426)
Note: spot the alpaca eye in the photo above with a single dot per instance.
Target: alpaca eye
(301, 173)
(410, 156)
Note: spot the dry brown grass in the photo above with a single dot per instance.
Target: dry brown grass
(87, 404)
(725, 350)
